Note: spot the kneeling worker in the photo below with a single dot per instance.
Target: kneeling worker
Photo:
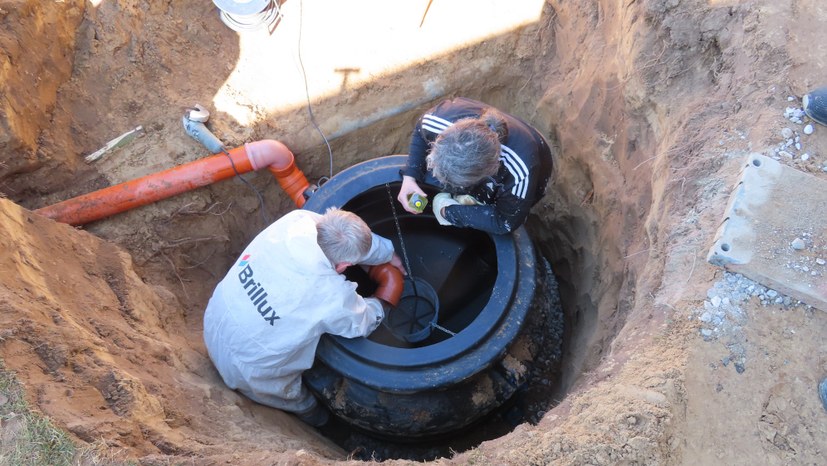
(265, 318)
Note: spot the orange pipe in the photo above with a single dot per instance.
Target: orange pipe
(390, 281)
(142, 191)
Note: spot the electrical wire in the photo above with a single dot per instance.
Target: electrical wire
(307, 94)
(264, 216)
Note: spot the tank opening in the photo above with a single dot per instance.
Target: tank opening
(459, 265)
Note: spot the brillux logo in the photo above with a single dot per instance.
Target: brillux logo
(256, 292)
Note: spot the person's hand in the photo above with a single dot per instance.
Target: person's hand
(409, 187)
(397, 262)
(441, 201)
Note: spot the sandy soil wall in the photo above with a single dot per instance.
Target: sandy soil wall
(37, 42)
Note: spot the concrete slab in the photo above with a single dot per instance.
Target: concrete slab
(775, 231)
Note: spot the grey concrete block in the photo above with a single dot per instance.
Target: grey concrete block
(775, 230)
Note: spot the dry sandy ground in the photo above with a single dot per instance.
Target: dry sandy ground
(652, 104)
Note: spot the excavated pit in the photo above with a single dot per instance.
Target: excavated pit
(593, 226)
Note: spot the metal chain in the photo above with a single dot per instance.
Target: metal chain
(439, 327)
(401, 241)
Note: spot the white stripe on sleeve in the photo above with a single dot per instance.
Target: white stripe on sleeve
(518, 170)
(434, 123)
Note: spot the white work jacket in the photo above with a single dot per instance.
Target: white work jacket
(265, 318)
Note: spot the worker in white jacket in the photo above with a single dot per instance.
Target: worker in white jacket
(265, 318)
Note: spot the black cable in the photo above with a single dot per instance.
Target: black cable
(307, 93)
(264, 216)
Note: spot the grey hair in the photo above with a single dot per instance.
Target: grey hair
(468, 151)
(343, 236)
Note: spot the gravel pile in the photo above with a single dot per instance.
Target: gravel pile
(548, 336)
(791, 147)
(722, 316)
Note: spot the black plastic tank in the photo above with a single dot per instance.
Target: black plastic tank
(448, 356)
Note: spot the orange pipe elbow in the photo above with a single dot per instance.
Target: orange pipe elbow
(151, 188)
(292, 182)
(281, 163)
(391, 283)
